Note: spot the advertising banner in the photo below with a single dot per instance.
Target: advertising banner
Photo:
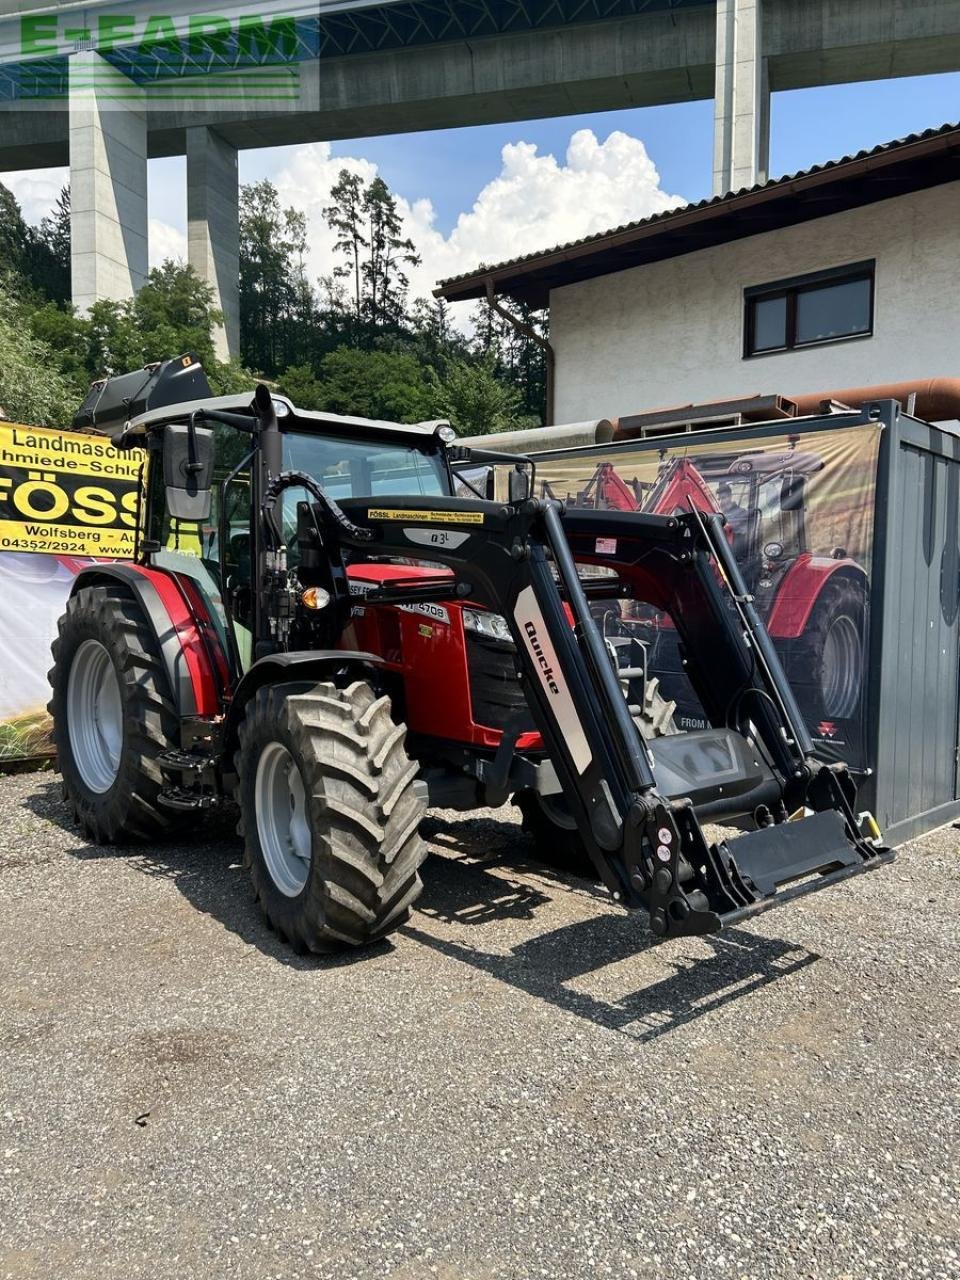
(800, 519)
(66, 500)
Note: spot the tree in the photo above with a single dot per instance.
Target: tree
(301, 385)
(373, 254)
(345, 216)
(32, 388)
(387, 286)
(375, 384)
(277, 304)
(15, 235)
(174, 312)
(51, 251)
(476, 401)
(39, 256)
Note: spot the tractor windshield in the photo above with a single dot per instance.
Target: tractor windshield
(360, 469)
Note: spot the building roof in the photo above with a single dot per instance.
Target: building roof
(913, 163)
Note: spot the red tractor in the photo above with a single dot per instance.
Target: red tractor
(814, 607)
(279, 644)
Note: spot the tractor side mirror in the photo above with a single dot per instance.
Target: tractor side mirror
(188, 470)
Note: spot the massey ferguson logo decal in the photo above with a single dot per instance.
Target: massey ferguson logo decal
(545, 667)
(827, 729)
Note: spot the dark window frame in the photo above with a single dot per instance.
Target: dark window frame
(790, 289)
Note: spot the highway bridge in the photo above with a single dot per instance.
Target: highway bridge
(103, 87)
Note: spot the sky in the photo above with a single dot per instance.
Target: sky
(489, 193)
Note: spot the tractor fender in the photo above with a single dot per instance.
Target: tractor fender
(189, 673)
(800, 590)
(298, 664)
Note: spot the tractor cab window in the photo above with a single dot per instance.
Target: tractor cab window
(192, 549)
(359, 469)
(352, 469)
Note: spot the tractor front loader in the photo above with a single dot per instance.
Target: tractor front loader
(280, 643)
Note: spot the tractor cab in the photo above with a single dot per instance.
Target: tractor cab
(762, 496)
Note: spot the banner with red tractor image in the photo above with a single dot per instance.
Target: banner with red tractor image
(800, 518)
(66, 500)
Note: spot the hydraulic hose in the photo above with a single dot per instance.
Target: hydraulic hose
(300, 480)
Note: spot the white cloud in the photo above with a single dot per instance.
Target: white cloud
(535, 202)
(165, 242)
(36, 190)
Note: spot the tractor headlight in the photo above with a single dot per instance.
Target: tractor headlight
(446, 433)
(491, 625)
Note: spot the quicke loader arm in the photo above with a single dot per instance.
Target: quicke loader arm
(520, 560)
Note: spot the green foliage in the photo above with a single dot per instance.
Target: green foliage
(32, 387)
(15, 236)
(350, 343)
(51, 256)
(301, 385)
(375, 384)
(172, 313)
(38, 256)
(475, 400)
(230, 378)
(277, 304)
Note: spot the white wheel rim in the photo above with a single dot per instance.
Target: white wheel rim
(842, 670)
(283, 823)
(95, 716)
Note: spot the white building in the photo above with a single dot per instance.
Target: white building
(843, 275)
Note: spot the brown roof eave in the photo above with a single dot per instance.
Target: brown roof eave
(519, 277)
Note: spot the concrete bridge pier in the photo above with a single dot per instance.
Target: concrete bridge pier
(213, 228)
(741, 134)
(108, 182)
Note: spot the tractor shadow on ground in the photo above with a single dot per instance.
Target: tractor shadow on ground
(461, 889)
(204, 864)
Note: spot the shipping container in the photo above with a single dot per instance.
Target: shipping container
(847, 528)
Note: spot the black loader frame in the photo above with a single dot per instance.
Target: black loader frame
(649, 849)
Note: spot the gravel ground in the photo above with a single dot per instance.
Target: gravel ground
(519, 1085)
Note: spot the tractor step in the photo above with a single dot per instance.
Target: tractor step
(180, 798)
(175, 761)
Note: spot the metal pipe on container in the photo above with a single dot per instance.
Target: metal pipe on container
(569, 435)
(937, 399)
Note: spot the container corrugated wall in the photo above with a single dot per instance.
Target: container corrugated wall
(918, 725)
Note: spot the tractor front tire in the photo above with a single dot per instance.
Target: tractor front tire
(329, 810)
(830, 659)
(547, 819)
(113, 715)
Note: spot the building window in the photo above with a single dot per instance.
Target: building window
(829, 306)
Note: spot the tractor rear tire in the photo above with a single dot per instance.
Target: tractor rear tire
(329, 810)
(548, 820)
(830, 658)
(113, 715)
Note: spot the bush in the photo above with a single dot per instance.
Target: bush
(475, 400)
(375, 384)
(33, 389)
